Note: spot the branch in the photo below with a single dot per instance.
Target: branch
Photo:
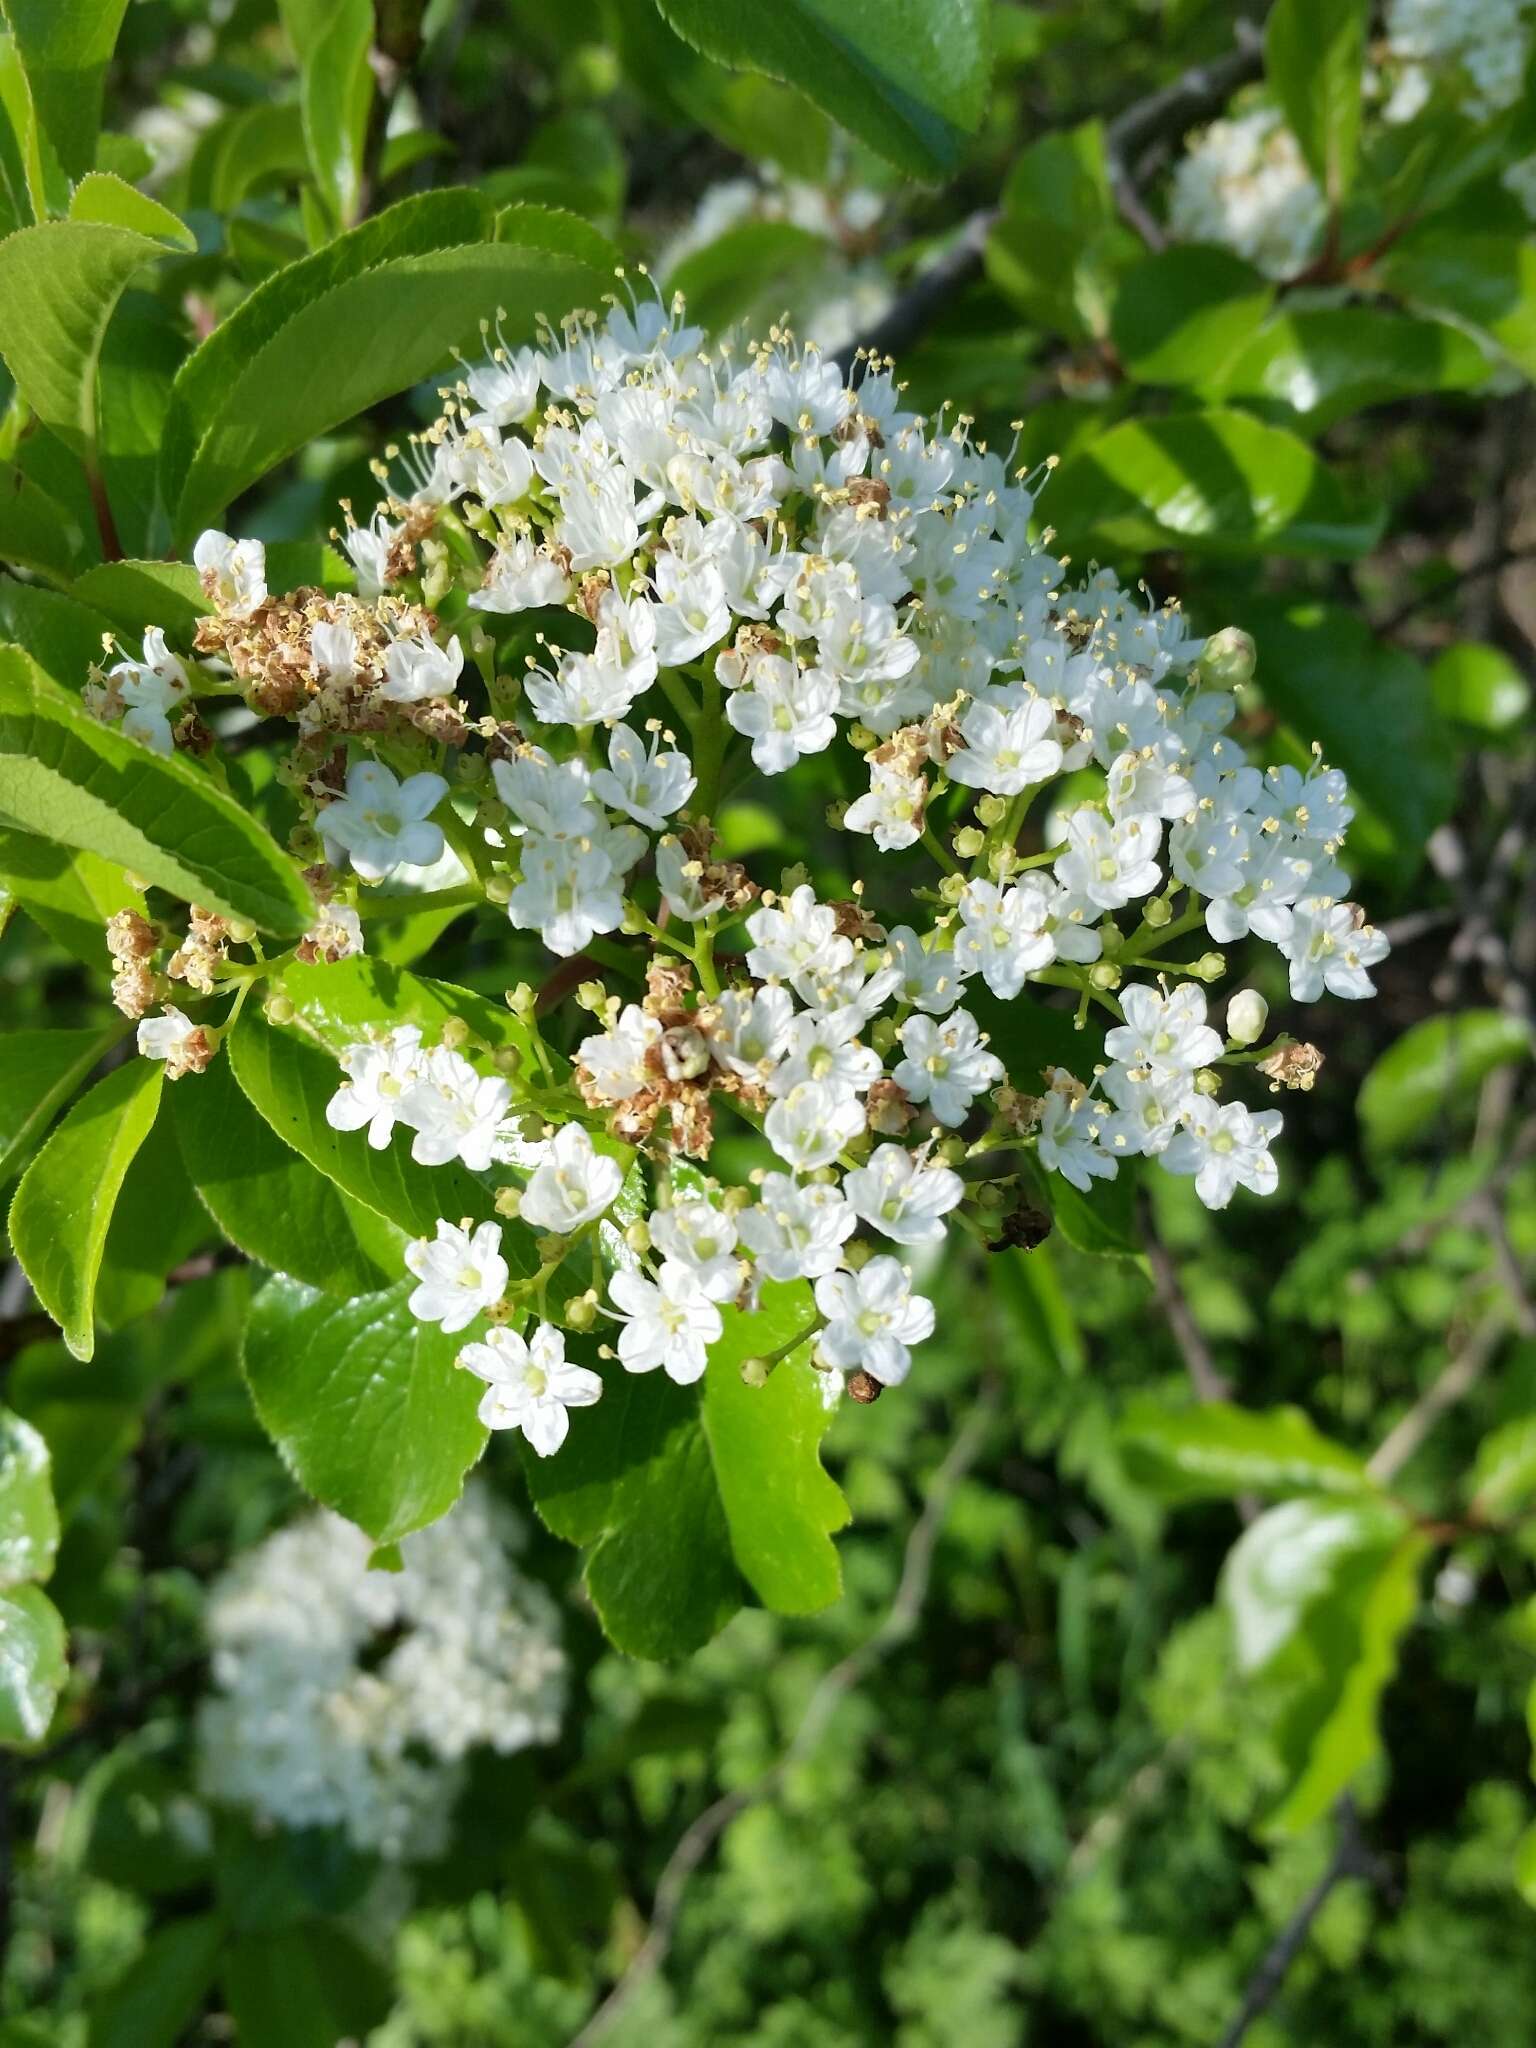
(1458, 1379)
(1188, 98)
(700, 1837)
(1351, 1858)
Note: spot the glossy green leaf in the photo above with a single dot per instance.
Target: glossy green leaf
(145, 346)
(39, 1072)
(1485, 279)
(1182, 315)
(1314, 57)
(1325, 362)
(65, 775)
(1480, 687)
(342, 1003)
(63, 1205)
(270, 1201)
(1323, 670)
(71, 894)
(29, 1521)
(164, 1989)
(65, 49)
(364, 1403)
(1058, 245)
(1217, 1450)
(909, 77)
(32, 1665)
(311, 1986)
(380, 308)
(1220, 481)
(1423, 1080)
(62, 635)
(332, 39)
(60, 282)
(1503, 1480)
(108, 201)
(157, 1223)
(290, 1081)
(134, 595)
(36, 533)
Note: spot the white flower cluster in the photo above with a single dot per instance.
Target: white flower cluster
(1477, 49)
(349, 1698)
(783, 564)
(1243, 182)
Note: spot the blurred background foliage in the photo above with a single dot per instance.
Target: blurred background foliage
(1048, 1808)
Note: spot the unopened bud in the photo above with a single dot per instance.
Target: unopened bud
(755, 1371)
(992, 810)
(455, 1033)
(968, 842)
(520, 1000)
(498, 889)
(509, 1201)
(856, 1255)
(581, 1312)
(507, 1060)
(591, 995)
(1158, 912)
(638, 1236)
(836, 813)
(1230, 658)
(882, 1035)
(1247, 1014)
(239, 930)
(1104, 974)
(952, 888)
(470, 768)
(551, 1249)
(861, 737)
(278, 1009)
(1207, 1083)
(1209, 967)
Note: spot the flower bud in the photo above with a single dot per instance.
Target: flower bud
(952, 888)
(581, 1312)
(861, 737)
(278, 1009)
(1158, 912)
(455, 1033)
(507, 1060)
(755, 1371)
(1104, 974)
(509, 1202)
(991, 810)
(968, 842)
(1247, 1014)
(521, 1000)
(1207, 1083)
(239, 930)
(638, 1236)
(470, 768)
(882, 1035)
(1209, 967)
(591, 995)
(498, 889)
(1230, 658)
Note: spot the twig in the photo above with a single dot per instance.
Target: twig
(1350, 1858)
(698, 1839)
(1458, 1379)
(1495, 565)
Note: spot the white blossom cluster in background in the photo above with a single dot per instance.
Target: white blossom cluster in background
(741, 560)
(1243, 182)
(349, 1698)
(1476, 49)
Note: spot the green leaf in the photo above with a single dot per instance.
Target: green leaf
(66, 50)
(290, 1081)
(1326, 362)
(1503, 1481)
(60, 282)
(1059, 244)
(1216, 1450)
(108, 201)
(62, 635)
(750, 273)
(270, 1201)
(1314, 56)
(63, 1206)
(332, 39)
(909, 77)
(36, 532)
(304, 1987)
(134, 595)
(1100, 1220)
(380, 308)
(145, 346)
(1219, 480)
(65, 776)
(1525, 1865)
(1332, 681)
(1478, 686)
(39, 1072)
(681, 1494)
(71, 895)
(341, 1003)
(1180, 316)
(32, 1665)
(364, 1403)
(1416, 1086)
(1295, 1556)
(1485, 279)
(165, 1987)
(29, 1521)
(156, 1224)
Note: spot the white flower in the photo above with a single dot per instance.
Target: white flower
(825, 1047)
(1226, 1147)
(551, 799)
(1003, 935)
(333, 650)
(1144, 785)
(461, 1274)
(521, 576)
(947, 1064)
(1330, 947)
(812, 1124)
(572, 1184)
(336, 934)
(670, 1321)
(648, 785)
(377, 1079)
(568, 894)
(902, 1198)
(796, 933)
(618, 1061)
(370, 548)
(873, 1317)
(892, 810)
(383, 823)
(1070, 1126)
(691, 612)
(1148, 1109)
(797, 1233)
(504, 389)
(455, 1112)
(785, 712)
(530, 1386)
(167, 1036)
(1247, 1014)
(1164, 1035)
(1107, 864)
(417, 668)
(1006, 751)
(234, 572)
(748, 1029)
(695, 1233)
(150, 690)
(926, 980)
